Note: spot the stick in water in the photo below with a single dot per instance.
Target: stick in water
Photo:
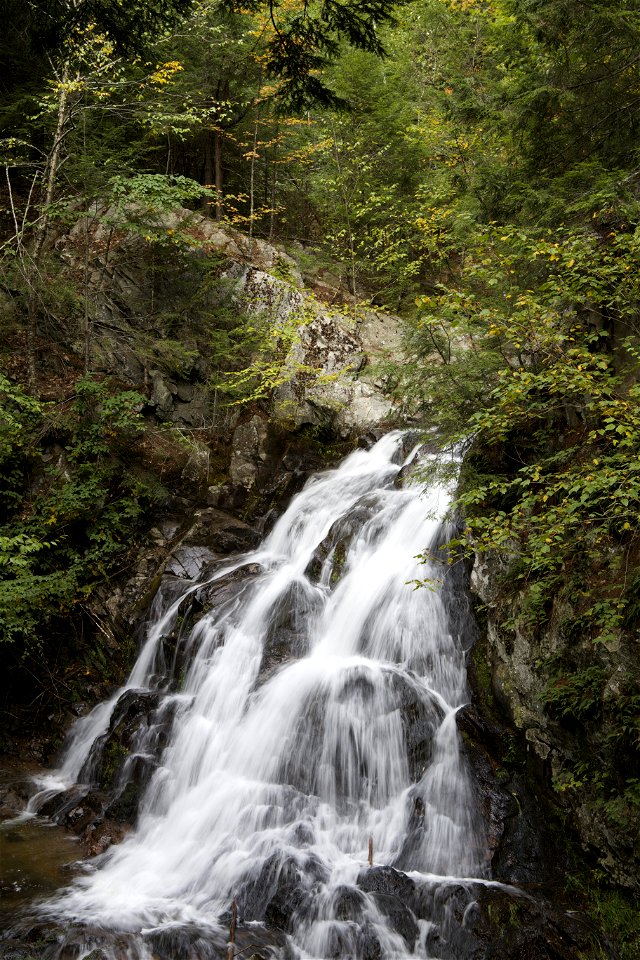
(232, 930)
(370, 851)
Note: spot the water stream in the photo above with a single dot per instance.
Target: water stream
(314, 728)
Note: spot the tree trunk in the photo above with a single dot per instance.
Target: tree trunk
(53, 164)
(346, 205)
(217, 163)
(274, 187)
(208, 173)
(51, 175)
(252, 180)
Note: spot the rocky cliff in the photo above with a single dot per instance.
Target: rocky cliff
(566, 701)
(172, 311)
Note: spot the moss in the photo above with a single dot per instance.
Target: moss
(113, 756)
(481, 678)
(612, 912)
(503, 914)
(339, 558)
(125, 808)
(619, 917)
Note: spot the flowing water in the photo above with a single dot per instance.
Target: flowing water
(313, 730)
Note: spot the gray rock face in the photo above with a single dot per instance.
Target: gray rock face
(196, 469)
(248, 452)
(329, 383)
(324, 380)
(516, 683)
(519, 657)
(219, 532)
(323, 356)
(188, 561)
(161, 395)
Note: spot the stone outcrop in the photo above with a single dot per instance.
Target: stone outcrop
(144, 333)
(515, 663)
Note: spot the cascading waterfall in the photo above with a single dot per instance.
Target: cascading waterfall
(293, 744)
(87, 730)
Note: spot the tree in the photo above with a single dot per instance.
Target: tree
(579, 92)
(303, 38)
(129, 25)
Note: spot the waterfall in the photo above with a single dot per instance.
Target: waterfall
(314, 728)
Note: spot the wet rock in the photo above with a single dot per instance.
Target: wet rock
(333, 549)
(279, 895)
(124, 807)
(189, 561)
(227, 588)
(119, 775)
(286, 638)
(395, 896)
(512, 927)
(348, 904)
(346, 939)
(528, 853)
(289, 903)
(389, 882)
(369, 947)
(399, 916)
(12, 800)
(220, 532)
(68, 806)
(281, 647)
(171, 942)
(134, 708)
(27, 938)
(186, 942)
(420, 720)
(260, 943)
(521, 836)
(99, 836)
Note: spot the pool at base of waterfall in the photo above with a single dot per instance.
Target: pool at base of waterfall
(36, 858)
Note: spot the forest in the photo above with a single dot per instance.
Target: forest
(470, 166)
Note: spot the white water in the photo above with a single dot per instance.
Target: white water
(143, 676)
(295, 768)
